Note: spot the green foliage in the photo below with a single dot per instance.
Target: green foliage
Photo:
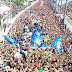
(18, 2)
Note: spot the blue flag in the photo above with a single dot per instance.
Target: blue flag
(20, 49)
(56, 44)
(37, 32)
(31, 12)
(14, 38)
(11, 41)
(37, 39)
(43, 15)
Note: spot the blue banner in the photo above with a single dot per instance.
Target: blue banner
(11, 41)
(37, 39)
(56, 44)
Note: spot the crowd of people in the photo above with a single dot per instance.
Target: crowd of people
(35, 60)
(14, 9)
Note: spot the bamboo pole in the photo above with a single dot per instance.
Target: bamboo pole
(56, 8)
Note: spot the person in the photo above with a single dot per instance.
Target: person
(36, 60)
(45, 39)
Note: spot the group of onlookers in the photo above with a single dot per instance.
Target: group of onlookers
(29, 59)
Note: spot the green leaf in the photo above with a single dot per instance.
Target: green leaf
(7, 58)
(43, 52)
(41, 70)
(63, 56)
(6, 49)
(56, 55)
(47, 56)
(15, 44)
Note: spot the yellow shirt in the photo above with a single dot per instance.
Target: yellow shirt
(45, 38)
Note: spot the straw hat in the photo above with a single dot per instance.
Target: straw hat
(16, 70)
(30, 70)
(45, 69)
(60, 70)
(7, 68)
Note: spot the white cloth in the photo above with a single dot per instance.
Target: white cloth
(17, 55)
(25, 53)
